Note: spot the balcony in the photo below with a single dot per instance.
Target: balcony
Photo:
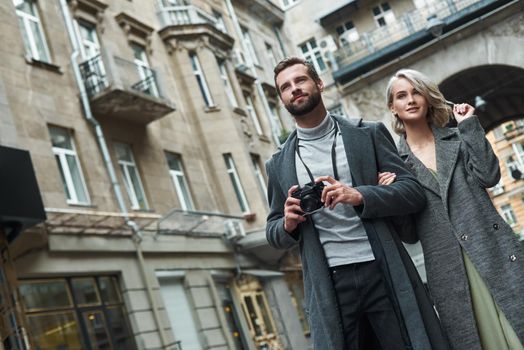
(189, 23)
(121, 89)
(405, 34)
(266, 10)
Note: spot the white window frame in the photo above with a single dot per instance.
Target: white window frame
(271, 55)
(126, 167)
(511, 163)
(219, 21)
(62, 154)
(235, 181)
(349, 33)
(508, 214)
(201, 80)
(144, 68)
(252, 112)
(180, 182)
(255, 160)
(312, 52)
(497, 189)
(26, 19)
(250, 46)
(227, 83)
(386, 15)
(278, 127)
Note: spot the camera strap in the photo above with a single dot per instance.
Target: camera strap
(333, 156)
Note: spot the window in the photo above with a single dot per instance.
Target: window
(235, 181)
(147, 82)
(199, 75)
(132, 181)
(69, 166)
(66, 313)
(32, 32)
(227, 83)
(498, 132)
(250, 47)
(508, 214)
(498, 188)
(176, 170)
(255, 159)
(383, 14)
(252, 112)
(93, 68)
(511, 165)
(518, 148)
(271, 56)
(278, 128)
(219, 21)
(312, 53)
(288, 3)
(347, 33)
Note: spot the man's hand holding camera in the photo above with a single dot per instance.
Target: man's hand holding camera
(293, 215)
(302, 201)
(337, 192)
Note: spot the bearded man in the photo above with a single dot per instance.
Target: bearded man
(324, 196)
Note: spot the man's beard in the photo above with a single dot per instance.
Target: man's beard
(311, 103)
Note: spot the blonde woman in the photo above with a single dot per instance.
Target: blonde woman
(474, 262)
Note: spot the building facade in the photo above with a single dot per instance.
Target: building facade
(148, 124)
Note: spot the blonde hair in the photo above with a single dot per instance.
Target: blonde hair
(438, 110)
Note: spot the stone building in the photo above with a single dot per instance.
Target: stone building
(148, 124)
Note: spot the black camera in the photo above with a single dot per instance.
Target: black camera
(310, 197)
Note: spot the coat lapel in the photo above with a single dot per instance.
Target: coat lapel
(447, 156)
(286, 163)
(355, 141)
(424, 176)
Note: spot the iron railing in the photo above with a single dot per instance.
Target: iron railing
(408, 24)
(130, 76)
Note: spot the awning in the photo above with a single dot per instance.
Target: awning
(255, 243)
(337, 11)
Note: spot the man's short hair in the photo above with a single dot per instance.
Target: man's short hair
(291, 61)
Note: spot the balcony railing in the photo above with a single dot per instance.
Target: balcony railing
(408, 24)
(123, 89)
(184, 15)
(135, 77)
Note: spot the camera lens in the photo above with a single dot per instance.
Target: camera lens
(310, 203)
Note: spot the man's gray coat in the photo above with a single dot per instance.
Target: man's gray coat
(459, 215)
(370, 149)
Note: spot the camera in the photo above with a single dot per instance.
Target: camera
(310, 197)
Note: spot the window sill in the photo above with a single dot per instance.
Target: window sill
(211, 109)
(82, 205)
(45, 65)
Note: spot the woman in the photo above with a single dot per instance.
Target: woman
(474, 262)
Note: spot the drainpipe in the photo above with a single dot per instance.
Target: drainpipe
(137, 235)
(251, 65)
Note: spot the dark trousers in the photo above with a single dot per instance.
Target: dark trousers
(365, 308)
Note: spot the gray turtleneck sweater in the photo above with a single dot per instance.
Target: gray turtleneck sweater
(341, 232)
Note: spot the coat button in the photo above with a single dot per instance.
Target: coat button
(512, 257)
(496, 226)
(464, 237)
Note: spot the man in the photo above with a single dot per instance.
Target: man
(356, 271)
